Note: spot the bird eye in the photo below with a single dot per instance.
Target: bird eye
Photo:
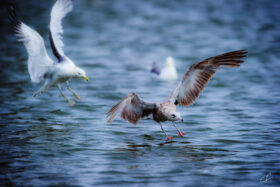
(173, 115)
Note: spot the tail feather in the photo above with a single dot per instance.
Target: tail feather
(155, 68)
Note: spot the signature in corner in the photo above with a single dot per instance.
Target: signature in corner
(266, 178)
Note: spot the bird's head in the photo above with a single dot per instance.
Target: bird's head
(80, 73)
(169, 61)
(175, 116)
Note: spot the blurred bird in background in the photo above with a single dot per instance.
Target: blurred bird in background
(168, 72)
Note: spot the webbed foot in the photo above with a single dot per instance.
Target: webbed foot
(71, 102)
(77, 97)
(168, 138)
(181, 133)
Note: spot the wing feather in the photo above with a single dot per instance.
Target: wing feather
(60, 9)
(198, 75)
(38, 60)
(131, 108)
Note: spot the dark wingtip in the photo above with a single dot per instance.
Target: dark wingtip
(13, 17)
(12, 12)
(155, 68)
(243, 52)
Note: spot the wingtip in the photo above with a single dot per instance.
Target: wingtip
(133, 122)
(12, 6)
(12, 10)
(12, 14)
(243, 52)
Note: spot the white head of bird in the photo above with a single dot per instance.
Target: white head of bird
(175, 116)
(169, 71)
(169, 61)
(80, 73)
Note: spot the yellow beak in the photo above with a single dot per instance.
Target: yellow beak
(86, 78)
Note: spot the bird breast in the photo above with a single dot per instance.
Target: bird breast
(168, 73)
(163, 111)
(159, 116)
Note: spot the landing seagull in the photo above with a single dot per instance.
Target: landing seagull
(40, 66)
(195, 79)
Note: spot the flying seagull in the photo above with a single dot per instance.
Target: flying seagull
(41, 67)
(168, 72)
(195, 79)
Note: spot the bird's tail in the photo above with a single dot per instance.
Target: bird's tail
(155, 68)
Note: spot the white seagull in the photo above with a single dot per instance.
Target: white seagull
(41, 67)
(168, 72)
(195, 79)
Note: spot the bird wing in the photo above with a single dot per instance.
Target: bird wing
(60, 9)
(155, 68)
(197, 76)
(38, 59)
(131, 108)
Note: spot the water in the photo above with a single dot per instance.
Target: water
(233, 128)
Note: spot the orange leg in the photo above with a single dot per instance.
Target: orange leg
(166, 135)
(180, 133)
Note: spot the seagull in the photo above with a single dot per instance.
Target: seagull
(41, 67)
(193, 82)
(168, 72)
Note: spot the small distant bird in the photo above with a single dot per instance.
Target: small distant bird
(40, 66)
(168, 72)
(195, 79)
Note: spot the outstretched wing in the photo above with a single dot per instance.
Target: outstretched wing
(60, 9)
(131, 108)
(198, 75)
(38, 59)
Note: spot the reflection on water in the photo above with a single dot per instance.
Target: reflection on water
(233, 128)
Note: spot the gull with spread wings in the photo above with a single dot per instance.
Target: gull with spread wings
(195, 79)
(40, 66)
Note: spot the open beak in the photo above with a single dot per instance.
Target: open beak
(86, 78)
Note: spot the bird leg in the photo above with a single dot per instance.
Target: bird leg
(77, 97)
(166, 135)
(180, 133)
(71, 103)
(42, 89)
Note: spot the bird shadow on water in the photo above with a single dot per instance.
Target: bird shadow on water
(180, 150)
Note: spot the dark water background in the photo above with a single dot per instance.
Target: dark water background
(233, 128)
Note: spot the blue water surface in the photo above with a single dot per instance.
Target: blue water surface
(233, 129)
